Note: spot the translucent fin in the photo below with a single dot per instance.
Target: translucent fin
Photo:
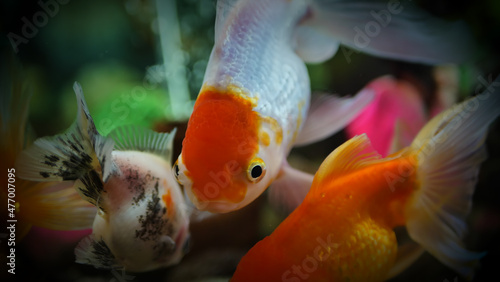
(449, 151)
(70, 155)
(314, 46)
(399, 141)
(134, 138)
(354, 154)
(96, 253)
(90, 187)
(407, 255)
(290, 188)
(396, 30)
(328, 114)
(55, 206)
(223, 8)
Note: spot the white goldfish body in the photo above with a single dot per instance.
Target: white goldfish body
(142, 220)
(254, 101)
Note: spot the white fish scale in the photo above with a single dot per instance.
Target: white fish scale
(253, 52)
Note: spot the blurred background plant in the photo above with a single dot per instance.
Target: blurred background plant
(143, 61)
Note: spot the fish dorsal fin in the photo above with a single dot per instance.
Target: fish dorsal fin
(103, 147)
(136, 138)
(352, 155)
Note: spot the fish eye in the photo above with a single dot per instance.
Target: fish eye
(256, 170)
(175, 171)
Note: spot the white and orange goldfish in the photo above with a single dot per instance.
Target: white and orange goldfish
(343, 231)
(253, 105)
(142, 220)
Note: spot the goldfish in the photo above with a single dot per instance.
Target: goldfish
(343, 230)
(49, 205)
(254, 104)
(142, 219)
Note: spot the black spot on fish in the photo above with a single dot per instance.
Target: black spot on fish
(103, 253)
(138, 184)
(152, 223)
(44, 174)
(52, 158)
(49, 163)
(93, 188)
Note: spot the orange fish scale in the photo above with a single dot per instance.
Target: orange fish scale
(346, 225)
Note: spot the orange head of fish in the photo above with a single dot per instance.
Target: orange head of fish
(219, 162)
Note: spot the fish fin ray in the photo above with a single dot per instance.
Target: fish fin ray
(91, 188)
(355, 153)
(405, 32)
(96, 253)
(407, 255)
(135, 138)
(59, 207)
(328, 114)
(449, 151)
(289, 190)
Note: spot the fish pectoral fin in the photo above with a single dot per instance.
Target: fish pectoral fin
(70, 155)
(328, 114)
(289, 190)
(135, 138)
(95, 252)
(313, 45)
(59, 207)
(399, 30)
(407, 255)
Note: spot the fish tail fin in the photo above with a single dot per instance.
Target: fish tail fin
(449, 151)
(55, 206)
(78, 154)
(399, 30)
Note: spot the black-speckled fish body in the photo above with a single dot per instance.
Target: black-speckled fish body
(142, 220)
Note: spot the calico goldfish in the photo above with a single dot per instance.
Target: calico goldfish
(343, 231)
(142, 220)
(50, 205)
(254, 105)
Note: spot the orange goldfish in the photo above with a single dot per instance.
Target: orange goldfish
(343, 230)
